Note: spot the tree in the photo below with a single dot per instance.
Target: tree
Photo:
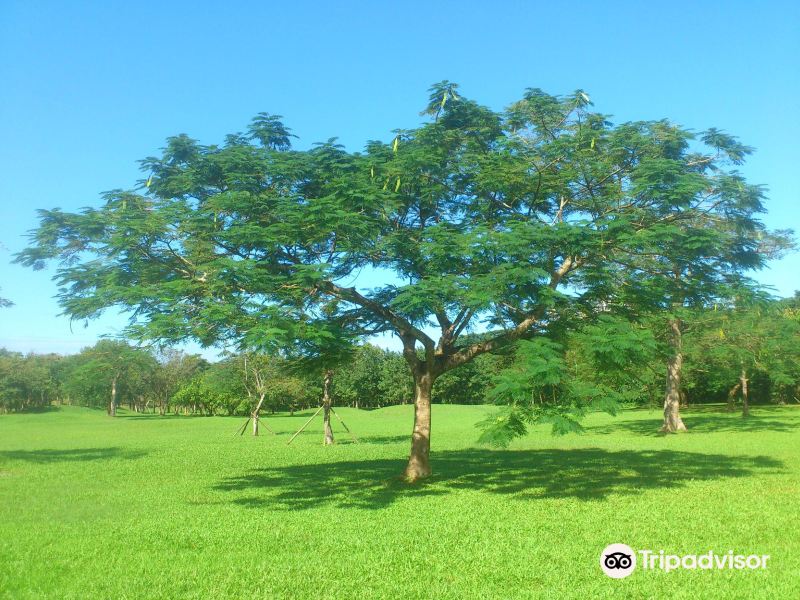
(715, 234)
(260, 375)
(109, 371)
(323, 353)
(28, 382)
(175, 369)
(755, 336)
(510, 221)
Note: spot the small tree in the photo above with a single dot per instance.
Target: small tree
(261, 374)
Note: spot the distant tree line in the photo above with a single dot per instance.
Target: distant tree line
(737, 355)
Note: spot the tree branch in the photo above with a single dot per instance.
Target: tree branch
(518, 332)
(401, 325)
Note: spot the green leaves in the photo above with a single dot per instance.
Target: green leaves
(440, 94)
(526, 221)
(601, 366)
(502, 428)
(270, 131)
(726, 144)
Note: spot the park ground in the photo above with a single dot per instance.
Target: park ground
(180, 507)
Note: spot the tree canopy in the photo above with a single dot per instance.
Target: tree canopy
(513, 223)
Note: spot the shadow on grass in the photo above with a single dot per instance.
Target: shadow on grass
(710, 422)
(70, 455)
(341, 436)
(151, 417)
(584, 474)
(385, 439)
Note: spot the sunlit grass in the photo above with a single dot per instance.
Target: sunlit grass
(177, 507)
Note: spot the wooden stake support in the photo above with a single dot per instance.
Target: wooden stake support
(299, 431)
(254, 415)
(352, 435)
(306, 424)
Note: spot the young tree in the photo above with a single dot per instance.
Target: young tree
(512, 221)
(260, 376)
(324, 353)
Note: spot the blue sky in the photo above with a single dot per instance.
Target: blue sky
(88, 88)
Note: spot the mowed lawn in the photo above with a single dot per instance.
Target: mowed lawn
(180, 507)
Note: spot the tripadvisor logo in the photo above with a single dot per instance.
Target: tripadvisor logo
(619, 561)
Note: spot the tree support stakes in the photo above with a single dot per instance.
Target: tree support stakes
(242, 429)
(352, 435)
(267, 427)
(299, 431)
(256, 420)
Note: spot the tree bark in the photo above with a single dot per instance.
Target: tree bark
(112, 407)
(419, 465)
(255, 413)
(732, 397)
(745, 393)
(672, 399)
(326, 407)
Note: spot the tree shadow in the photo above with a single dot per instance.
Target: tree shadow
(150, 417)
(709, 422)
(385, 439)
(583, 474)
(70, 455)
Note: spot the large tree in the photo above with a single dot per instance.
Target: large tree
(506, 223)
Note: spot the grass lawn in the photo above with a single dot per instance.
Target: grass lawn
(178, 507)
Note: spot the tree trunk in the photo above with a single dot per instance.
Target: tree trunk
(326, 407)
(732, 397)
(255, 414)
(112, 407)
(672, 399)
(419, 465)
(745, 395)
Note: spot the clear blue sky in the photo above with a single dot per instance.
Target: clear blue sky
(88, 88)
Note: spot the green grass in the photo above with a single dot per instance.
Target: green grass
(178, 507)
